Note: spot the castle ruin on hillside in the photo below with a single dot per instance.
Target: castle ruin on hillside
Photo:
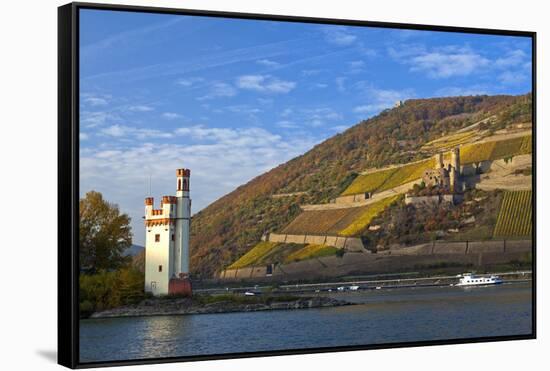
(445, 176)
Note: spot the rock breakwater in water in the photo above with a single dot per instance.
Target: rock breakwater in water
(181, 306)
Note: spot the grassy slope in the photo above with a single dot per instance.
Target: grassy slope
(255, 254)
(232, 225)
(311, 251)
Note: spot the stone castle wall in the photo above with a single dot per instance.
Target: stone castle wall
(432, 200)
(349, 243)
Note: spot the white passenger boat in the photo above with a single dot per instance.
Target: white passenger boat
(469, 279)
(353, 288)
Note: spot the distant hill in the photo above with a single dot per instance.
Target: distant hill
(133, 250)
(233, 225)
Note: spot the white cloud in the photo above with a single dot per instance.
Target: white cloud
(513, 77)
(340, 128)
(403, 51)
(220, 159)
(268, 63)
(320, 85)
(455, 91)
(265, 84)
(406, 34)
(243, 109)
(340, 36)
(229, 136)
(171, 115)
(380, 99)
(312, 72)
(265, 101)
(84, 136)
(140, 108)
(219, 90)
(511, 59)
(515, 66)
(121, 131)
(443, 62)
(116, 131)
(133, 37)
(316, 117)
(91, 119)
(341, 84)
(95, 101)
(356, 66)
(287, 124)
(287, 112)
(188, 82)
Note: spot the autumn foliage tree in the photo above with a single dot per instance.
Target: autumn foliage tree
(104, 234)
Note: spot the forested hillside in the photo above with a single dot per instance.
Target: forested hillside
(232, 225)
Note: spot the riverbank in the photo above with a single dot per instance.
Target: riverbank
(217, 304)
(367, 282)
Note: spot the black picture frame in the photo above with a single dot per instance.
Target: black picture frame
(68, 179)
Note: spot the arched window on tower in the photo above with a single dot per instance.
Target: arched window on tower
(179, 184)
(185, 188)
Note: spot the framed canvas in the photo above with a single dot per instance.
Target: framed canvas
(241, 185)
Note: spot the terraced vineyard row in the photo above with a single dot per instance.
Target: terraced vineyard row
(368, 182)
(515, 215)
(387, 179)
(451, 141)
(363, 221)
(476, 152)
(496, 150)
(318, 222)
(344, 222)
(526, 145)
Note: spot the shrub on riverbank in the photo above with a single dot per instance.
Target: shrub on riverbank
(109, 289)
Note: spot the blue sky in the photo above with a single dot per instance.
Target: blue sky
(231, 99)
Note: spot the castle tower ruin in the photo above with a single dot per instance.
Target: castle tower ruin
(455, 172)
(438, 160)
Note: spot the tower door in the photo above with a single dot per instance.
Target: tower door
(153, 286)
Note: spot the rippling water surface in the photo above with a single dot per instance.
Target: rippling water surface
(382, 316)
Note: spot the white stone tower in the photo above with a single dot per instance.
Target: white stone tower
(167, 241)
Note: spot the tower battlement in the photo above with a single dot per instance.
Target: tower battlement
(183, 172)
(168, 200)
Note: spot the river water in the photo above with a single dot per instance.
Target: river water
(383, 316)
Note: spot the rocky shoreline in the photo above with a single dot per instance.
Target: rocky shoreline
(183, 306)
